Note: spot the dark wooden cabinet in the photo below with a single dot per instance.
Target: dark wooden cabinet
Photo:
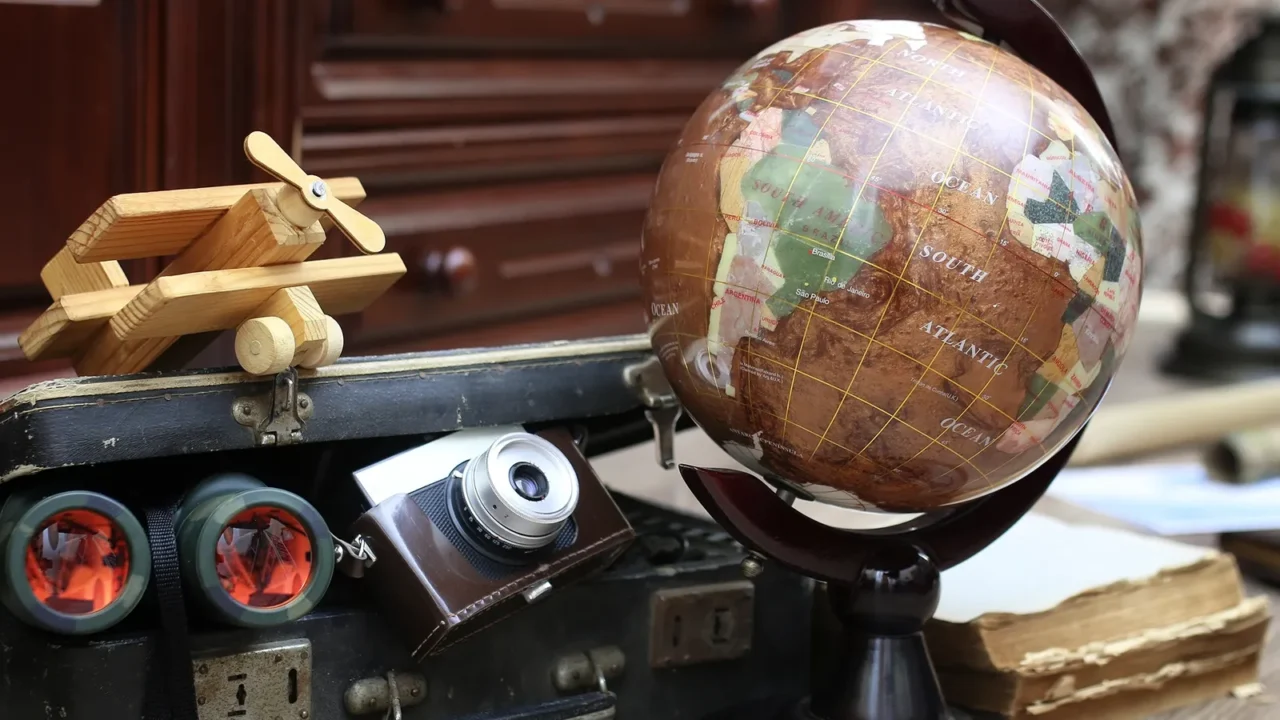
(508, 147)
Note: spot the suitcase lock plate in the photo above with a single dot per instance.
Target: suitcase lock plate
(271, 681)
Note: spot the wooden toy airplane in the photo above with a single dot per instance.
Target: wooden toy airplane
(240, 262)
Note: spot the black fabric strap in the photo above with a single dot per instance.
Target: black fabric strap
(172, 692)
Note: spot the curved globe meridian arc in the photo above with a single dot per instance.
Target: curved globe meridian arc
(892, 265)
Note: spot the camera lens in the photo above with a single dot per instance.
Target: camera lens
(529, 481)
(521, 491)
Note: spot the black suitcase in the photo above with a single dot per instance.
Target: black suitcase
(670, 628)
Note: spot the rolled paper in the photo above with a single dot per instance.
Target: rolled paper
(74, 562)
(1246, 457)
(1177, 421)
(255, 556)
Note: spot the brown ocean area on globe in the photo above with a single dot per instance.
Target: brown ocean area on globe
(891, 265)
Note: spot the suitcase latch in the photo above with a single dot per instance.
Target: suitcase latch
(648, 382)
(278, 416)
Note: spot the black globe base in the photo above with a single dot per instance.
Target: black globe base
(882, 667)
(1226, 350)
(883, 586)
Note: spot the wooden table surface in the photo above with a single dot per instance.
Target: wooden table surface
(634, 471)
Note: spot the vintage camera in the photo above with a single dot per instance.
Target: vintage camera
(471, 527)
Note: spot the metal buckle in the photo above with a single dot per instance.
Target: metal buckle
(352, 558)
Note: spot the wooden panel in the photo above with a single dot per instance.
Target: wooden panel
(163, 223)
(501, 206)
(228, 67)
(63, 275)
(75, 131)
(221, 299)
(471, 153)
(597, 320)
(600, 26)
(363, 93)
(538, 249)
(68, 324)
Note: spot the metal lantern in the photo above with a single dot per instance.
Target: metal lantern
(1232, 278)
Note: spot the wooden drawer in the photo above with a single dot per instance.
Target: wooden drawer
(598, 320)
(475, 153)
(373, 93)
(653, 26)
(505, 254)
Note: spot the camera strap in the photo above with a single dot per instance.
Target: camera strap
(171, 690)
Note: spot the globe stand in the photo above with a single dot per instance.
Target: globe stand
(883, 585)
(884, 669)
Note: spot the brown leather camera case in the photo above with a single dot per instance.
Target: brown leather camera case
(436, 597)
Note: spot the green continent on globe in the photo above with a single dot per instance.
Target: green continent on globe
(890, 266)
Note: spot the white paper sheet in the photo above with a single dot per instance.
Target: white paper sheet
(1043, 561)
(1171, 499)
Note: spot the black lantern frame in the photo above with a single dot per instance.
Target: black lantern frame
(1232, 275)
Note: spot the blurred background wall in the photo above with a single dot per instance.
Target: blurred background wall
(1153, 60)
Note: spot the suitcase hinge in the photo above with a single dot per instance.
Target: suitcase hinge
(276, 417)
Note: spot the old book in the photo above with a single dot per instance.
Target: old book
(1142, 698)
(1054, 620)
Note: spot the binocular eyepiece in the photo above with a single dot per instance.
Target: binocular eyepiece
(78, 562)
(75, 562)
(255, 556)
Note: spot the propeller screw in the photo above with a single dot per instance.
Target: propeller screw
(319, 189)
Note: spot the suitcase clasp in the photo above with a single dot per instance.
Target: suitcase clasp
(277, 417)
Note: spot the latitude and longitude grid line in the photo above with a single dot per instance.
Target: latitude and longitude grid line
(765, 358)
(786, 413)
(963, 309)
(884, 310)
(706, 269)
(1046, 386)
(886, 271)
(912, 131)
(1026, 146)
(1039, 442)
(977, 397)
(855, 396)
(934, 140)
(1019, 421)
(941, 187)
(836, 171)
(933, 211)
(1031, 128)
(991, 254)
(1040, 297)
(840, 104)
(782, 205)
(1091, 308)
(1017, 180)
(845, 328)
(1028, 86)
(836, 48)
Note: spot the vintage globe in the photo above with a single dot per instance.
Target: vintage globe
(891, 266)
